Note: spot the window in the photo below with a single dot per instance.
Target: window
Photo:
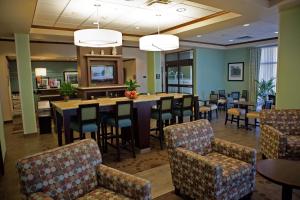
(179, 72)
(268, 63)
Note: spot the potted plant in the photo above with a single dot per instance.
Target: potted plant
(131, 92)
(265, 88)
(66, 90)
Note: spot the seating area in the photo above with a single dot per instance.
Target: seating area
(149, 99)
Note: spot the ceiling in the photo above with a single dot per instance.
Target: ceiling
(130, 17)
(219, 23)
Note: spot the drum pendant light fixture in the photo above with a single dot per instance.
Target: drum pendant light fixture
(159, 42)
(97, 37)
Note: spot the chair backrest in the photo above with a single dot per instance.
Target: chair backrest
(187, 102)
(66, 172)
(235, 95)
(245, 95)
(285, 120)
(124, 109)
(212, 92)
(222, 94)
(165, 104)
(194, 136)
(88, 113)
(272, 98)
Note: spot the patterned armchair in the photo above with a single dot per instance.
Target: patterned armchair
(204, 167)
(280, 134)
(75, 172)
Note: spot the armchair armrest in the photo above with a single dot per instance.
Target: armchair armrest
(273, 142)
(236, 151)
(39, 196)
(123, 183)
(194, 174)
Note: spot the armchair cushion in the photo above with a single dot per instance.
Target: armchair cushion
(194, 136)
(39, 196)
(293, 145)
(236, 151)
(103, 194)
(123, 183)
(273, 142)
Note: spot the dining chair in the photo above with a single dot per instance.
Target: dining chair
(86, 120)
(235, 96)
(163, 115)
(185, 108)
(244, 95)
(222, 94)
(121, 118)
(222, 101)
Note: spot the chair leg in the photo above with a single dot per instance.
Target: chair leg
(231, 119)
(191, 118)
(209, 115)
(99, 140)
(117, 144)
(180, 119)
(105, 138)
(132, 141)
(72, 135)
(226, 118)
(93, 135)
(238, 121)
(161, 134)
(217, 114)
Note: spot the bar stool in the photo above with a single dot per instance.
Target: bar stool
(185, 108)
(87, 120)
(122, 118)
(163, 115)
(252, 115)
(235, 113)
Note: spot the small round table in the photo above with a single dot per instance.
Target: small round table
(282, 172)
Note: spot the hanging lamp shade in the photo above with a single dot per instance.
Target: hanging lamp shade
(159, 42)
(97, 38)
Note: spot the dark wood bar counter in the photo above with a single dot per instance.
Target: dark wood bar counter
(64, 111)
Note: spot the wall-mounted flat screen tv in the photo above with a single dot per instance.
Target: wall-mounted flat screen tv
(102, 72)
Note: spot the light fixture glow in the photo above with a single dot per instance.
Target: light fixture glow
(159, 42)
(230, 40)
(97, 37)
(246, 25)
(40, 71)
(180, 9)
(198, 36)
(276, 32)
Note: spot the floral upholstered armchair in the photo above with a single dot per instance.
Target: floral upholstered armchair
(204, 167)
(75, 172)
(280, 134)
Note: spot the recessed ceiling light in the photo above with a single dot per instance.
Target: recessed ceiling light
(276, 32)
(95, 23)
(230, 40)
(137, 27)
(180, 9)
(199, 36)
(246, 25)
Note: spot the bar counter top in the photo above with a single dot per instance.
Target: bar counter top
(72, 104)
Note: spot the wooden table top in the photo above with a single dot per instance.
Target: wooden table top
(72, 104)
(282, 172)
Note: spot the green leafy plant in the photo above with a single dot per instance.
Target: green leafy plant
(265, 88)
(67, 89)
(131, 85)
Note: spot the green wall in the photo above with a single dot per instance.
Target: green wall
(288, 71)
(237, 55)
(153, 68)
(2, 135)
(55, 69)
(209, 71)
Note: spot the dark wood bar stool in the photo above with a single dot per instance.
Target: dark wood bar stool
(122, 118)
(185, 108)
(87, 120)
(163, 114)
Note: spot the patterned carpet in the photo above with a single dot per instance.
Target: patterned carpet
(19, 145)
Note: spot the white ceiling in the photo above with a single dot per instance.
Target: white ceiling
(122, 15)
(259, 30)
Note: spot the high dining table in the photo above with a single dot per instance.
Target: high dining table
(64, 110)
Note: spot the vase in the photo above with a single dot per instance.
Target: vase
(114, 51)
(131, 94)
(66, 98)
